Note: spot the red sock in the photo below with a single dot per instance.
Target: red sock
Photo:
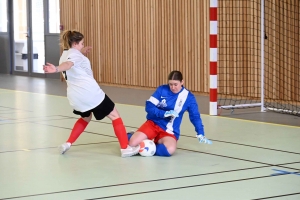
(78, 128)
(120, 132)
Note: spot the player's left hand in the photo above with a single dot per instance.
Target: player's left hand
(86, 50)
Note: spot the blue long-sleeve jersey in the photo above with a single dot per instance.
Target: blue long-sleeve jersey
(163, 99)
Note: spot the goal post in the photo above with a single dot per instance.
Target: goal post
(213, 56)
(254, 55)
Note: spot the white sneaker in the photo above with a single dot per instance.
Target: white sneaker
(130, 151)
(64, 147)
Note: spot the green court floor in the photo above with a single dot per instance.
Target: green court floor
(248, 159)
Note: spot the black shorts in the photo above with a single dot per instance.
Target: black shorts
(101, 111)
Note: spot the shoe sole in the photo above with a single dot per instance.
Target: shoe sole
(61, 150)
(131, 154)
(128, 155)
(206, 142)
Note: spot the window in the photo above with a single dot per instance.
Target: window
(54, 18)
(3, 16)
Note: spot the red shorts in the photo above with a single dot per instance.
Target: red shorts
(153, 131)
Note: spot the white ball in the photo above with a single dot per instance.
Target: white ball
(147, 148)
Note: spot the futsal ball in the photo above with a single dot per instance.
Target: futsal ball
(147, 148)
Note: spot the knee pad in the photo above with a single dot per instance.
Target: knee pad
(161, 150)
(129, 135)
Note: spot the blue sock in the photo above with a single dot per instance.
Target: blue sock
(161, 150)
(129, 136)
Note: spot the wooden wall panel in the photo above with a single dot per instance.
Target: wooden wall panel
(138, 42)
(282, 50)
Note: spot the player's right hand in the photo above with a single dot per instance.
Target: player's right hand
(49, 68)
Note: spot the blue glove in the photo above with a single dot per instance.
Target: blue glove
(171, 113)
(203, 139)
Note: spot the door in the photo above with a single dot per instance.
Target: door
(31, 30)
(29, 49)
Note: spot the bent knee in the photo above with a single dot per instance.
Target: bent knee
(87, 119)
(133, 143)
(114, 114)
(137, 138)
(171, 149)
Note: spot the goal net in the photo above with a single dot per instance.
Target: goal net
(258, 55)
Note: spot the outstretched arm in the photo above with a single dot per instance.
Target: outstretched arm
(50, 68)
(195, 118)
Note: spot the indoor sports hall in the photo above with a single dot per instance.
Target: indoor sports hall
(239, 58)
(248, 159)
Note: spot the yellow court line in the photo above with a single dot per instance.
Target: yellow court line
(245, 120)
(25, 149)
(5, 92)
(130, 105)
(32, 93)
(269, 123)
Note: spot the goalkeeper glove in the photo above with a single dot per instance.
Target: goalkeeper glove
(203, 139)
(171, 113)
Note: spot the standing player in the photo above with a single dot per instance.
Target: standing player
(165, 109)
(84, 93)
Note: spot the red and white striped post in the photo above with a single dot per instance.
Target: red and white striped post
(213, 105)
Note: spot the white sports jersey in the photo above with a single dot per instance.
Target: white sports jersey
(83, 91)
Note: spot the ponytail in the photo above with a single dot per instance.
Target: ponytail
(68, 38)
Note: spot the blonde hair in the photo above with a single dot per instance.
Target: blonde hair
(68, 37)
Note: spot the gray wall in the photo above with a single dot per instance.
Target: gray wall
(4, 53)
(52, 51)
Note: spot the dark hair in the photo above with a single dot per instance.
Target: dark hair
(69, 37)
(175, 75)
